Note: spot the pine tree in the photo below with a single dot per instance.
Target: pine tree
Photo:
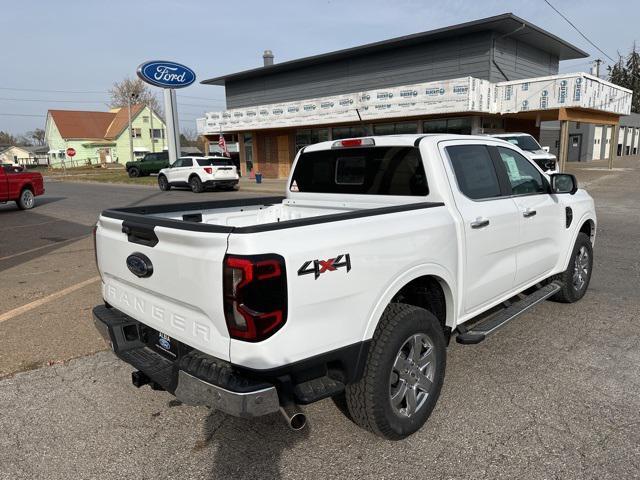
(632, 68)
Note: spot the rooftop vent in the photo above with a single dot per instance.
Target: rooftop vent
(267, 57)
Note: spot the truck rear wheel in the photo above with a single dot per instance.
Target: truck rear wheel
(27, 200)
(196, 184)
(403, 375)
(575, 279)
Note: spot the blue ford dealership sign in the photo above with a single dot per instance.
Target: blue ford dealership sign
(166, 74)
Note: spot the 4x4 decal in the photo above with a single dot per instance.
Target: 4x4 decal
(318, 267)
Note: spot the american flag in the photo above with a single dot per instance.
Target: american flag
(223, 145)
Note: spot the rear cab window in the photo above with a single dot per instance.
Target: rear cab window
(475, 171)
(361, 171)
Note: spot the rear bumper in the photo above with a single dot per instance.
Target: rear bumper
(224, 183)
(193, 377)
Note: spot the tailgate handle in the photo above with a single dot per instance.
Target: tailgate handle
(140, 233)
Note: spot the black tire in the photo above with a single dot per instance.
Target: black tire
(163, 183)
(134, 172)
(196, 184)
(370, 399)
(574, 288)
(26, 200)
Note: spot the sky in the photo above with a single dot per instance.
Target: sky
(85, 45)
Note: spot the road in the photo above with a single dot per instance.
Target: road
(555, 394)
(49, 249)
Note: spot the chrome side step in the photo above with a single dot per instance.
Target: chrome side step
(478, 332)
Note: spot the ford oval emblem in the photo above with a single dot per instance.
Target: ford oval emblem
(140, 265)
(166, 74)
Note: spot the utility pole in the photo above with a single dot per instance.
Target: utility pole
(132, 96)
(597, 62)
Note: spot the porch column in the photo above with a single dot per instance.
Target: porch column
(613, 145)
(564, 144)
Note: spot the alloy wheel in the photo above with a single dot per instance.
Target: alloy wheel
(412, 375)
(581, 269)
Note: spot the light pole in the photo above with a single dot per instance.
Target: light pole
(134, 97)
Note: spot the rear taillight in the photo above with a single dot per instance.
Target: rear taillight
(255, 296)
(209, 170)
(94, 231)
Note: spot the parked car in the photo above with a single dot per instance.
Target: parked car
(199, 173)
(150, 163)
(350, 286)
(20, 186)
(532, 150)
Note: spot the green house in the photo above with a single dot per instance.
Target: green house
(103, 137)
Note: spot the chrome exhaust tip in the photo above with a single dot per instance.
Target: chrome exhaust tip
(296, 419)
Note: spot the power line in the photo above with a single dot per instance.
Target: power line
(46, 100)
(578, 30)
(53, 91)
(21, 115)
(199, 98)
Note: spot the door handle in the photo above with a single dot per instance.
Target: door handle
(529, 213)
(480, 223)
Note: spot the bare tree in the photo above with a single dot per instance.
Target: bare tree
(37, 136)
(121, 93)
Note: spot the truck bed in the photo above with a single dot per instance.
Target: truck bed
(253, 214)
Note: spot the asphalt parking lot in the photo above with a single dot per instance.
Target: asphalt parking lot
(555, 394)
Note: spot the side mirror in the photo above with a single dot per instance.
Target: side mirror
(564, 183)
(546, 149)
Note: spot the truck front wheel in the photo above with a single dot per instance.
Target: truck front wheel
(27, 200)
(575, 279)
(403, 375)
(134, 172)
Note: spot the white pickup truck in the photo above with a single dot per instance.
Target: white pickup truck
(350, 286)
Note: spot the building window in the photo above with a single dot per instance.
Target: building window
(247, 139)
(136, 132)
(492, 123)
(448, 125)
(338, 133)
(395, 128)
(145, 119)
(311, 136)
(156, 132)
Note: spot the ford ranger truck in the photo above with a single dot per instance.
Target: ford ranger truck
(350, 286)
(20, 186)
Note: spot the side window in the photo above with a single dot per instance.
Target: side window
(524, 178)
(187, 162)
(178, 163)
(474, 170)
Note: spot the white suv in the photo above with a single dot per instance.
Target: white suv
(532, 149)
(199, 173)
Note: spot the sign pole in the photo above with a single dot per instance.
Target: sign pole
(173, 127)
(169, 76)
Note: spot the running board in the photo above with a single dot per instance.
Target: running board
(478, 332)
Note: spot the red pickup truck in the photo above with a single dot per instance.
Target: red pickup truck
(20, 186)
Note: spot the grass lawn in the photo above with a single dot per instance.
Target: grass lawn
(88, 174)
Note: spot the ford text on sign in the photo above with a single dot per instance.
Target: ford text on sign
(166, 74)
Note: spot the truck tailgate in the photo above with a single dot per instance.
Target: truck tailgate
(182, 297)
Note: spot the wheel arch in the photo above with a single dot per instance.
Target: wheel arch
(194, 174)
(27, 186)
(588, 226)
(425, 286)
